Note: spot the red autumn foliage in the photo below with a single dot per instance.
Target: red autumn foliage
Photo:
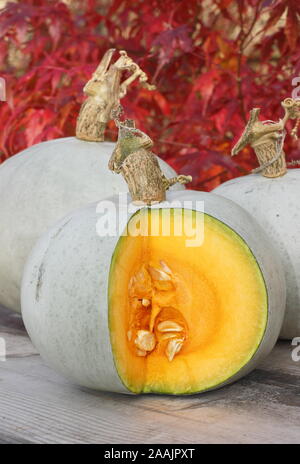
(212, 61)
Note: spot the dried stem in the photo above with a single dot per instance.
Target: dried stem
(104, 91)
(134, 159)
(267, 139)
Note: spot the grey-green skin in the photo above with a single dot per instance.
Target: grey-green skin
(65, 286)
(274, 203)
(41, 185)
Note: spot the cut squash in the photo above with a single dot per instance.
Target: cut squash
(155, 309)
(200, 311)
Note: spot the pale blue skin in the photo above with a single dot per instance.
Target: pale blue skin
(65, 285)
(41, 185)
(274, 203)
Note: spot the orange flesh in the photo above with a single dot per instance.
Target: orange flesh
(216, 294)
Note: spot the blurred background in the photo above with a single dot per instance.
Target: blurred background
(211, 61)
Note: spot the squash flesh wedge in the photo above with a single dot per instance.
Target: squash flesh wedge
(209, 302)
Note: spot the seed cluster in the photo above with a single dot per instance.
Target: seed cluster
(152, 323)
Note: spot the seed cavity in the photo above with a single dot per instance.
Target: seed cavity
(155, 320)
(173, 348)
(145, 340)
(169, 326)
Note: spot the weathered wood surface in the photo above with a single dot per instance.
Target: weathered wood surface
(39, 406)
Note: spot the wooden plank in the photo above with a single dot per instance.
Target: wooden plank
(11, 321)
(12, 330)
(12, 440)
(39, 406)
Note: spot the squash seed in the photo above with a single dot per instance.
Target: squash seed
(146, 302)
(145, 340)
(169, 326)
(158, 274)
(141, 352)
(173, 347)
(167, 336)
(165, 267)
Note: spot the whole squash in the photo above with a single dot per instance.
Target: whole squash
(272, 197)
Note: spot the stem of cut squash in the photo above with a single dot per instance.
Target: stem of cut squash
(133, 158)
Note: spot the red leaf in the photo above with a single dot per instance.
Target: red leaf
(50, 49)
(291, 28)
(171, 41)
